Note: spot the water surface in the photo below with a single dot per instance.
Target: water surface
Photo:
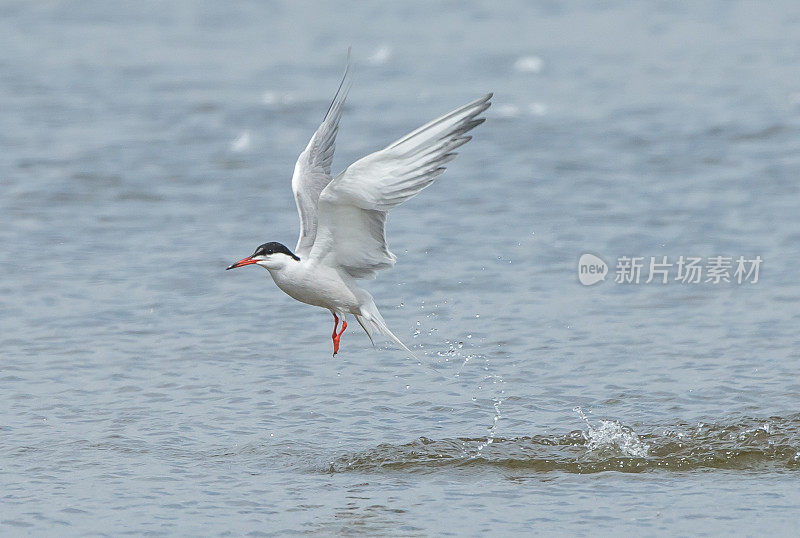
(145, 389)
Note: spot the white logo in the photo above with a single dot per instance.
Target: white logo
(591, 269)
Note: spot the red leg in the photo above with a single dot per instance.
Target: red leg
(336, 337)
(333, 336)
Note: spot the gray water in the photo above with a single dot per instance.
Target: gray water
(146, 146)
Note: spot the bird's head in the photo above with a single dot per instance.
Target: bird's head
(270, 255)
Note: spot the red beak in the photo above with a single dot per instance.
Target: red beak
(242, 263)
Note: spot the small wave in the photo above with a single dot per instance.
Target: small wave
(381, 55)
(751, 444)
(277, 99)
(511, 111)
(242, 142)
(529, 64)
(537, 109)
(507, 111)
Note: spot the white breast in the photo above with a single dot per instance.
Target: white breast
(317, 285)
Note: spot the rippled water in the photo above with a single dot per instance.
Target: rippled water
(766, 445)
(145, 389)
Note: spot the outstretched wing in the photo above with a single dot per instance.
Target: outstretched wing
(312, 172)
(353, 207)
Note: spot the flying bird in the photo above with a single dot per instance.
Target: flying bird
(343, 218)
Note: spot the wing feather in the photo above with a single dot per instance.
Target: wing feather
(352, 208)
(312, 172)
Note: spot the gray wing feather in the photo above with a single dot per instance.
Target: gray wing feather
(353, 207)
(312, 172)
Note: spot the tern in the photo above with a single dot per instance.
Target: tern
(342, 219)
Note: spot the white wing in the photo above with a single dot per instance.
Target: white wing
(312, 172)
(353, 207)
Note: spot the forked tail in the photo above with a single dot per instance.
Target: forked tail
(372, 322)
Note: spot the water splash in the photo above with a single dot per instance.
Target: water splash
(455, 350)
(495, 380)
(611, 434)
(747, 444)
(496, 403)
